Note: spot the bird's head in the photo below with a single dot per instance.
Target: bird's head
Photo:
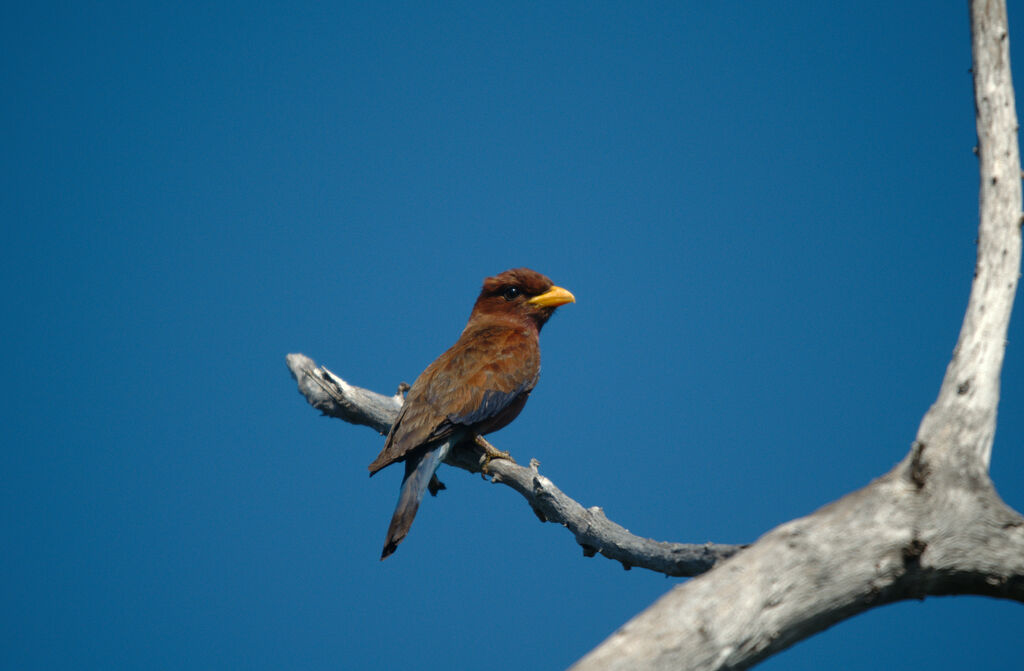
(521, 295)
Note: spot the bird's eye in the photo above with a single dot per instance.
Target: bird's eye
(511, 292)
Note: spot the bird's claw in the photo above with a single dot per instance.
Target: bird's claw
(490, 453)
(488, 458)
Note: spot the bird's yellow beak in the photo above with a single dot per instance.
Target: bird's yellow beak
(552, 298)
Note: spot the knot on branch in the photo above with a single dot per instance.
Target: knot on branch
(919, 470)
(912, 554)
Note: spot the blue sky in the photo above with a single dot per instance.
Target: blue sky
(767, 214)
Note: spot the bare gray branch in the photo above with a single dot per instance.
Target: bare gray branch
(333, 396)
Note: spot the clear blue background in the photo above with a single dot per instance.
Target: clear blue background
(767, 212)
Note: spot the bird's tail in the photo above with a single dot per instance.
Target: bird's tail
(417, 477)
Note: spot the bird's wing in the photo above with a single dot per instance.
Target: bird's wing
(481, 382)
(486, 382)
(416, 422)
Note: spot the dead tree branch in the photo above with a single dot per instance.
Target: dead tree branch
(333, 396)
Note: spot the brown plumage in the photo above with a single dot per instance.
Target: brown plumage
(477, 386)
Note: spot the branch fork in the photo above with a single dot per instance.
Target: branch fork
(933, 525)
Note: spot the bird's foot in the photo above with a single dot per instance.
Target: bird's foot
(435, 485)
(490, 454)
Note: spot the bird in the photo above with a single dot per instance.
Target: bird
(477, 386)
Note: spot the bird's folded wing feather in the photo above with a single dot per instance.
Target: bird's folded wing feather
(482, 380)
